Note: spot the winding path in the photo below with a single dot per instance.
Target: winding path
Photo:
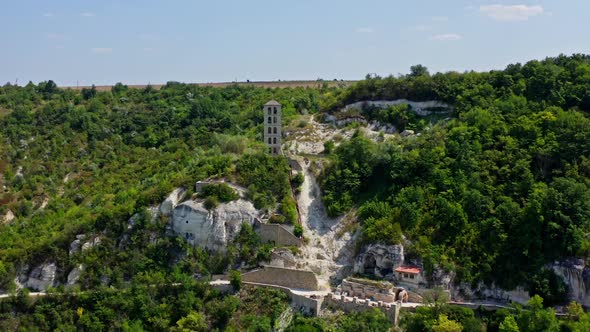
(328, 250)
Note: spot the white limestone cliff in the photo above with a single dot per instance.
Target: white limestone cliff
(214, 229)
(421, 108)
(576, 275)
(175, 197)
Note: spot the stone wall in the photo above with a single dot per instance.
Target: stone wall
(391, 310)
(290, 278)
(277, 234)
(307, 305)
(368, 289)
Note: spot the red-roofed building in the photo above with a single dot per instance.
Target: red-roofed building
(409, 274)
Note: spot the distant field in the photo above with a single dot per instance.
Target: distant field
(262, 84)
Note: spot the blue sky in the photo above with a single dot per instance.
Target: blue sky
(136, 42)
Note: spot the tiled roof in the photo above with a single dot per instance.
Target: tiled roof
(408, 269)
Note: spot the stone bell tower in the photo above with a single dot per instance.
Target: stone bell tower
(272, 126)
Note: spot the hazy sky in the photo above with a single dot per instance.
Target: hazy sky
(141, 41)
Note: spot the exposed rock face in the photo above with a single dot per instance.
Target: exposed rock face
(382, 127)
(81, 243)
(172, 200)
(76, 244)
(44, 203)
(74, 275)
(576, 275)
(214, 229)
(201, 184)
(282, 257)
(91, 243)
(352, 119)
(407, 133)
(41, 277)
(442, 278)
(8, 217)
(421, 108)
(379, 260)
(482, 292)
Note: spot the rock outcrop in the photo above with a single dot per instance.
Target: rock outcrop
(74, 275)
(442, 278)
(382, 127)
(82, 242)
(576, 275)
(213, 229)
(421, 108)
(175, 197)
(407, 133)
(8, 217)
(379, 260)
(76, 244)
(464, 292)
(281, 257)
(41, 277)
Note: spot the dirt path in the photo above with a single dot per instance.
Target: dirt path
(326, 253)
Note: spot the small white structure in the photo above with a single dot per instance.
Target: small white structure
(272, 126)
(409, 274)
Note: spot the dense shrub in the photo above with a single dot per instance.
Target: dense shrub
(223, 192)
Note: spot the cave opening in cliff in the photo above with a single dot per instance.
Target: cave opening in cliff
(370, 264)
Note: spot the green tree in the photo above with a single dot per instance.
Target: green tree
(297, 180)
(372, 320)
(288, 209)
(194, 321)
(509, 325)
(418, 70)
(444, 324)
(535, 318)
(437, 298)
(235, 279)
(298, 230)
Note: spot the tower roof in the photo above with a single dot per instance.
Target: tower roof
(272, 103)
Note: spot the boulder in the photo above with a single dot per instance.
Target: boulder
(213, 229)
(74, 275)
(42, 277)
(80, 243)
(8, 217)
(91, 243)
(379, 260)
(407, 133)
(76, 244)
(172, 200)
